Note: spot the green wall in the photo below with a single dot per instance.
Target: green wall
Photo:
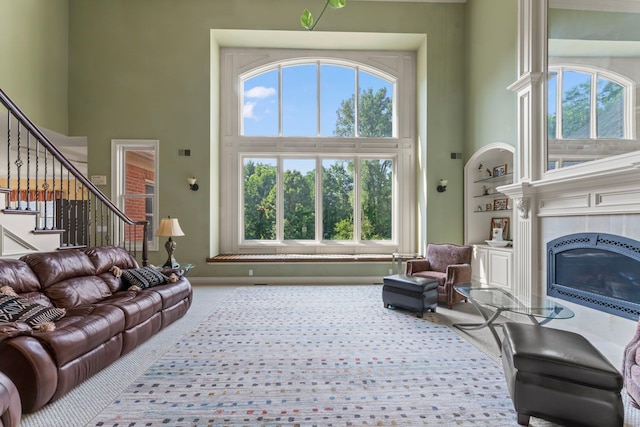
(492, 30)
(34, 70)
(142, 69)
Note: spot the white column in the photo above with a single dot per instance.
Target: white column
(531, 147)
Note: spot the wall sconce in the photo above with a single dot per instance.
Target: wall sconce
(192, 184)
(442, 187)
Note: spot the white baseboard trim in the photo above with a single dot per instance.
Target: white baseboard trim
(290, 280)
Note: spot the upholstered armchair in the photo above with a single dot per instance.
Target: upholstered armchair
(448, 264)
(631, 368)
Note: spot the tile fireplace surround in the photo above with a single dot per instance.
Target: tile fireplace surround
(599, 197)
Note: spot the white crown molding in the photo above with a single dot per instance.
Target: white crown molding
(597, 5)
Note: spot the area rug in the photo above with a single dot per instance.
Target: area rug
(315, 356)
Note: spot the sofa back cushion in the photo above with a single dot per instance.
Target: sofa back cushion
(18, 275)
(56, 266)
(105, 257)
(440, 256)
(78, 291)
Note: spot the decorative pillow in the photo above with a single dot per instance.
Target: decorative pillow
(144, 277)
(16, 309)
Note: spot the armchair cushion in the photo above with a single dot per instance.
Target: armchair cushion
(441, 256)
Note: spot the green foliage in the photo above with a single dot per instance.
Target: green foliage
(306, 19)
(299, 206)
(337, 201)
(259, 201)
(376, 199)
(375, 112)
(338, 204)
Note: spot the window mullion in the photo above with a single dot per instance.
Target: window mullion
(356, 99)
(280, 199)
(559, 84)
(593, 107)
(318, 103)
(280, 99)
(357, 211)
(318, 201)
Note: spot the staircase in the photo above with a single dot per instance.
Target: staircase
(46, 203)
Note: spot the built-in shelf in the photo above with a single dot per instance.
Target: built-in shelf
(490, 265)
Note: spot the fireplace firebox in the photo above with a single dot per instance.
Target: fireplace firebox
(596, 270)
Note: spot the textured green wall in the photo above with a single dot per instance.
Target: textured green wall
(120, 69)
(141, 69)
(492, 30)
(34, 48)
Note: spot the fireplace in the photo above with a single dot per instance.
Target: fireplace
(596, 270)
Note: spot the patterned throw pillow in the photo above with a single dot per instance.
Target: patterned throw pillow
(144, 277)
(16, 309)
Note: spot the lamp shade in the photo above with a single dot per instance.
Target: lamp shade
(169, 227)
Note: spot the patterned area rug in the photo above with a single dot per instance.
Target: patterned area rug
(316, 356)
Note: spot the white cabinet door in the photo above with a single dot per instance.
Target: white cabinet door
(500, 265)
(479, 265)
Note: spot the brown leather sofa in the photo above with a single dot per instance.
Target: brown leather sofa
(104, 318)
(10, 408)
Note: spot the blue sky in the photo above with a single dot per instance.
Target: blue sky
(300, 98)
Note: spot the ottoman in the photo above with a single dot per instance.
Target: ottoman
(410, 292)
(561, 377)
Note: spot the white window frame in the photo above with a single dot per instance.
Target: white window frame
(627, 84)
(118, 149)
(401, 147)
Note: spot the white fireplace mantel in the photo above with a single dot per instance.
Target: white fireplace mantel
(602, 187)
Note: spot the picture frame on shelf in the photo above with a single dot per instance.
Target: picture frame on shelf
(500, 170)
(500, 204)
(500, 223)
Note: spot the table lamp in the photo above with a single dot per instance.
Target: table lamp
(170, 227)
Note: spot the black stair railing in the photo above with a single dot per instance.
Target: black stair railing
(41, 181)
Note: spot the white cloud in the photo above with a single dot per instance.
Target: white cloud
(247, 111)
(260, 92)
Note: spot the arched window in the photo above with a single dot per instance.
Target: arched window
(317, 99)
(317, 151)
(589, 109)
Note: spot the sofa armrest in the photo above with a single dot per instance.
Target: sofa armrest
(416, 265)
(458, 273)
(10, 406)
(14, 329)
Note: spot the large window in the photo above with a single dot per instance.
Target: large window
(589, 110)
(317, 151)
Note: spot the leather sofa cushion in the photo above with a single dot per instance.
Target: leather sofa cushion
(54, 267)
(105, 257)
(78, 291)
(18, 275)
(83, 329)
(172, 293)
(137, 306)
(560, 354)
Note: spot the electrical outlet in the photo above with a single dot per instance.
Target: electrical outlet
(250, 272)
(390, 271)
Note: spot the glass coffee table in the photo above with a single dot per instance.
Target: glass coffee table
(540, 310)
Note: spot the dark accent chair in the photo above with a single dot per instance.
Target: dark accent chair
(447, 263)
(561, 377)
(631, 369)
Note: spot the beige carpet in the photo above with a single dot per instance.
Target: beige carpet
(82, 404)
